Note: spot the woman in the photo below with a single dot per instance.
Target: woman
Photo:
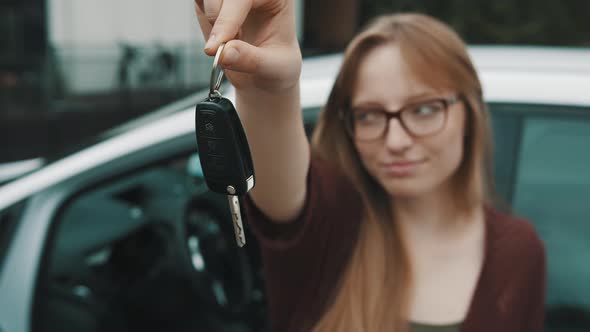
(384, 224)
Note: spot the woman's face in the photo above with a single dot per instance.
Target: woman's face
(405, 165)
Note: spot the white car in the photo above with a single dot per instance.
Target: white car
(123, 235)
(12, 170)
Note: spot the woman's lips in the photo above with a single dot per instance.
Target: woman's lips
(402, 168)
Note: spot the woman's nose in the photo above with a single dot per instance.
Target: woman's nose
(396, 136)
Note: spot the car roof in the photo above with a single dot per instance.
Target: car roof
(501, 58)
(509, 74)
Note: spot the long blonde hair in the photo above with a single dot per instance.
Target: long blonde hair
(374, 292)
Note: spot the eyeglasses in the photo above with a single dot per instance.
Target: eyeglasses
(419, 119)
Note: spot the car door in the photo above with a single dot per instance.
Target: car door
(107, 248)
(141, 244)
(543, 170)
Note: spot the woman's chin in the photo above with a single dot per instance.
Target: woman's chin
(405, 187)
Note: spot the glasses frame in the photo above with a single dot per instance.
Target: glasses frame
(346, 116)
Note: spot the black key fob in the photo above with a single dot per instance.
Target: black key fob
(223, 147)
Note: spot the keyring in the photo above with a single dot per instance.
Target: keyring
(215, 83)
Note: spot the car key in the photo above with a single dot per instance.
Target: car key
(223, 148)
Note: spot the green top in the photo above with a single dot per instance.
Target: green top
(420, 327)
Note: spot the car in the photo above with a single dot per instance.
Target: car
(12, 170)
(124, 235)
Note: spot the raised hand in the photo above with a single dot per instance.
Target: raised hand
(262, 51)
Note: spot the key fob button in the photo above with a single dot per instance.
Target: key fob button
(214, 146)
(207, 124)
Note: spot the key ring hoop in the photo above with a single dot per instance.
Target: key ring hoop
(215, 82)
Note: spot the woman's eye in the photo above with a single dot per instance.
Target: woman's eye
(427, 109)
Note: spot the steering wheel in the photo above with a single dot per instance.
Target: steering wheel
(223, 274)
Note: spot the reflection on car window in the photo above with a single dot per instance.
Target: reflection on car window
(153, 250)
(553, 191)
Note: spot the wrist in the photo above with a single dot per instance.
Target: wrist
(264, 98)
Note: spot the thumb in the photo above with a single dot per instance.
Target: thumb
(240, 56)
(274, 67)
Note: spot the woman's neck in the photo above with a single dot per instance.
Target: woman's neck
(432, 213)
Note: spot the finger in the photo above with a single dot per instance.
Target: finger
(203, 23)
(228, 23)
(212, 9)
(200, 5)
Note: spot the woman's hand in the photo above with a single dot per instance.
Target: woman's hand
(262, 52)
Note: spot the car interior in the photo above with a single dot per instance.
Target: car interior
(150, 251)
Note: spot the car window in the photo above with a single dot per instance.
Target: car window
(552, 189)
(151, 250)
(506, 134)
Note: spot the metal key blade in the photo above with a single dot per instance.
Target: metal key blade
(234, 206)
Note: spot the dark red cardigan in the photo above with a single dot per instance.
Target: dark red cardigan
(304, 260)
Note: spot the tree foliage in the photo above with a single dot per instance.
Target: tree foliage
(531, 22)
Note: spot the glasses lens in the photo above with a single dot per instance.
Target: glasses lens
(424, 119)
(368, 124)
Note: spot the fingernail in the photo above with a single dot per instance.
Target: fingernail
(230, 56)
(210, 42)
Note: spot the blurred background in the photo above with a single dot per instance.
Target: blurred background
(125, 236)
(72, 68)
